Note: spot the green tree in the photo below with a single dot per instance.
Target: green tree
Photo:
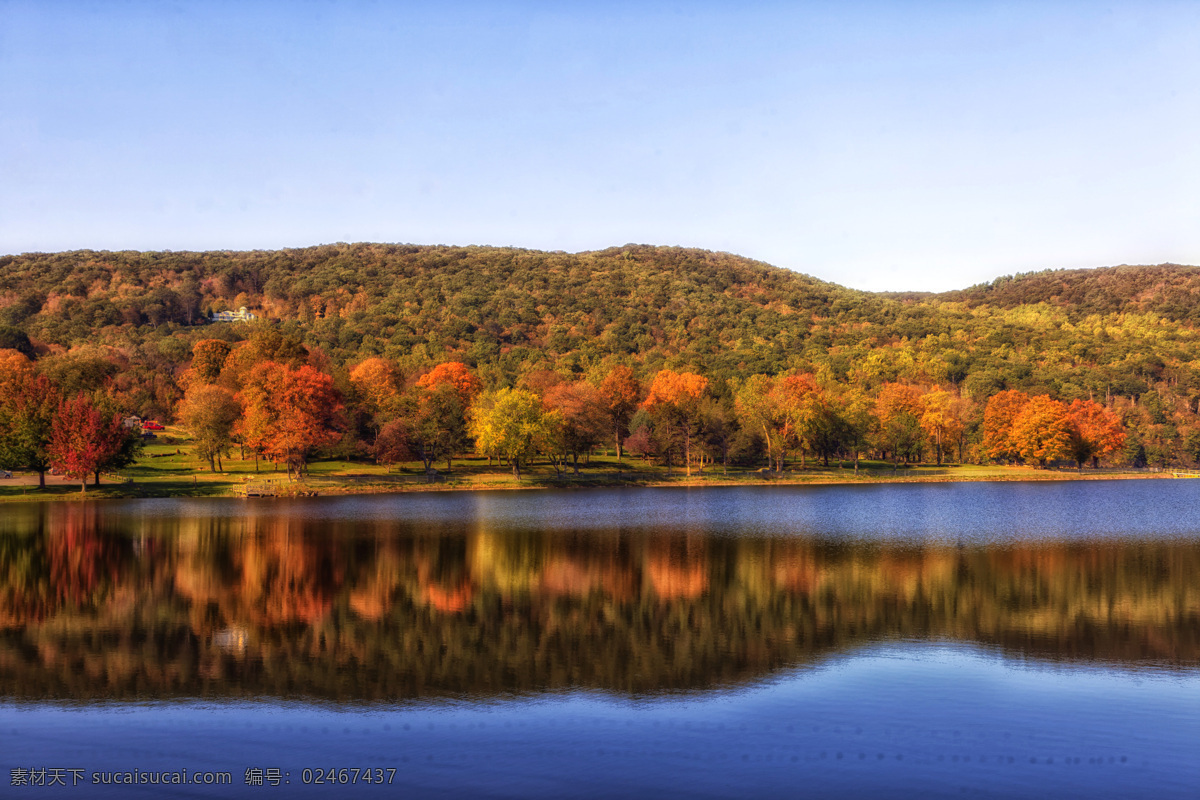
(209, 412)
(27, 412)
(512, 424)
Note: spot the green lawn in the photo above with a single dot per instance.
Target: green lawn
(167, 468)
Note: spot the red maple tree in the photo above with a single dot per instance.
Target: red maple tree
(83, 438)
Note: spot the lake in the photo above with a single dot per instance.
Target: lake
(937, 640)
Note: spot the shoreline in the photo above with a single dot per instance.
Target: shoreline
(372, 484)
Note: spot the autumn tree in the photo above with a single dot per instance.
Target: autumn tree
(438, 423)
(457, 376)
(999, 415)
(942, 419)
(582, 408)
(15, 370)
(209, 412)
(641, 440)
(1095, 432)
(83, 438)
(512, 424)
(28, 404)
(378, 383)
(394, 444)
(719, 429)
(758, 409)
(621, 391)
(130, 443)
(208, 358)
(266, 345)
(854, 410)
(675, 399)
(1041, 432)
(898, 409)
(813, 423)
(289, 411)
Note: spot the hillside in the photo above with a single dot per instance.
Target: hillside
(1113, 332)
(1170, 290)
(483, 304)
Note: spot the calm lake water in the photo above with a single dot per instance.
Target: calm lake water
(977, 640)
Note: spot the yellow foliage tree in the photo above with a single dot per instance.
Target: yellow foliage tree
(512, 424)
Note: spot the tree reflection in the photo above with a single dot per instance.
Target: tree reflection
(277, 605)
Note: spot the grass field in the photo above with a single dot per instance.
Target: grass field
(167, 468)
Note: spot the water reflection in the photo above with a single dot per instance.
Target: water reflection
(101, 605)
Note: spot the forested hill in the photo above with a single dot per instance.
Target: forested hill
(478, 303)
(1170, 290)
(505, 312)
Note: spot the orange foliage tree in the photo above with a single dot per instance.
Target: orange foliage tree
(899, 409)
(584, 421)
(15, 371)
(674, 399)
(456, 375)
(377, 382)
(1095, 432)
(289, 411)
(805, 407)
(622, 392)
(1042, 431)
(788, 411)
(1001, 412)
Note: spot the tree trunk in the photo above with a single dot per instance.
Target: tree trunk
(575, 457)
(767, 439)
(687, 452)
(212, 466)
(617, 436)
(41, 479)
(516, 465)
(97, 483)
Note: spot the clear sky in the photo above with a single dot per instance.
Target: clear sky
(899, 145)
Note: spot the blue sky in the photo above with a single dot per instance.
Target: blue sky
(879, 145)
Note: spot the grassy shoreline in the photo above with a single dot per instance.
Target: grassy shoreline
(167, 469)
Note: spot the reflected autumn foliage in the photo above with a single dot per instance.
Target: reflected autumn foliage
(383, 610)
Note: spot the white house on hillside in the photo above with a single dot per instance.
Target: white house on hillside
(241, 315)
